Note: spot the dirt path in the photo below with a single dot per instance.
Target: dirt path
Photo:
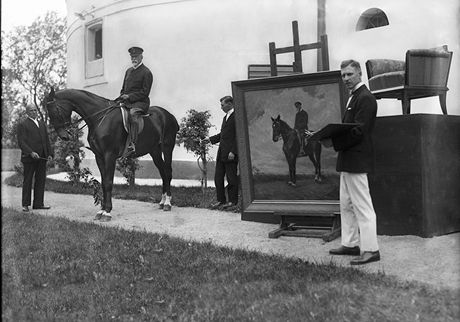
(434, 261)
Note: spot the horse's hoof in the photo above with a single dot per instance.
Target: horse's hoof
(99, 215)
(167, 208)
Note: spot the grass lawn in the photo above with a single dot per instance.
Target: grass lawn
(55, 269)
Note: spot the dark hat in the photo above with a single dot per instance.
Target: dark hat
(135, 51)
(297, 103)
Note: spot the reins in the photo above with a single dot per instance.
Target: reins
(69, 123)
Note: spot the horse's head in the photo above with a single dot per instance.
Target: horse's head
(59, 115)
(276, 126)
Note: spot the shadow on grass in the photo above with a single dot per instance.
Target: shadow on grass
(55, 269)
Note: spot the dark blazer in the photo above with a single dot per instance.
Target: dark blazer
(33, 139)
(301, 120)
(356, 150)
(137, 84)
(227, 139)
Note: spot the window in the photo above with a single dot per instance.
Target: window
(95, 42)
(372, 18)
(94, 50)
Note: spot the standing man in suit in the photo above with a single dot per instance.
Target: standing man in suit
(301, 125)
(35, 148)
(355, 160)
(227, 158)
(134, 94)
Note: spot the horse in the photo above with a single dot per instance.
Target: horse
(291, 149)
(107, 137)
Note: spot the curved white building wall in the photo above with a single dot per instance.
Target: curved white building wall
(196, 48)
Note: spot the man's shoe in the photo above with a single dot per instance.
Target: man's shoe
(216, 205)
(366, 257)
(41, 207)
(344, 250)
(25, 208)
(229, 206)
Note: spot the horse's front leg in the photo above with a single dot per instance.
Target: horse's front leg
(107, 185)
(292, 172)
(101, 166)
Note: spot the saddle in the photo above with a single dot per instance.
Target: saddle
(139, 120)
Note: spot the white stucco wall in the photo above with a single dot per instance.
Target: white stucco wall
(413, 24)
(196, 48)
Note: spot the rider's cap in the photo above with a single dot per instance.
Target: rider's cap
(296, 103)
(135, 51)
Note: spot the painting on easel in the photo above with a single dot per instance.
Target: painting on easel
(268, 144)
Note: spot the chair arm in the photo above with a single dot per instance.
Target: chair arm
(376, 67)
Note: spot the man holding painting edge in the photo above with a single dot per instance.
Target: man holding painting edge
(355, 160)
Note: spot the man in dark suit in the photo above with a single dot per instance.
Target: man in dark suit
(227, 158)
(301, 125)
(355, 160)
(135, 92)
(36, 149)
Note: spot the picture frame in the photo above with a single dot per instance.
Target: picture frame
(263, 166)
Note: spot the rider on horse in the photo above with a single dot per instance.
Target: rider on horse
(134, 94)
(301, 125)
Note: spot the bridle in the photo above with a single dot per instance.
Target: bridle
(69, 123)
(277, 124)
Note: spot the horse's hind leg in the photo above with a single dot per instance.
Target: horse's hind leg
(167, 154)
(162, 167)
(316, 156)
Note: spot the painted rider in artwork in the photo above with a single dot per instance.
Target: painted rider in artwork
(301, 125)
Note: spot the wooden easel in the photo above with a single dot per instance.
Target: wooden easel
(315, 225)
(318, 225)
(297, 50)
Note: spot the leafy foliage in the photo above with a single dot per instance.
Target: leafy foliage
(69, 155)
(128, 167)
(193, 131)
(36, 55)
(33, 60)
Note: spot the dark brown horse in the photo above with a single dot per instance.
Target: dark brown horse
(107, 137)
(291, 149)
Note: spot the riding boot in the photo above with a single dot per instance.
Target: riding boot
(302, 146)
(133, 132)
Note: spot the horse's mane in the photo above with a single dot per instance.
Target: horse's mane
(86, 94)
(284, 124)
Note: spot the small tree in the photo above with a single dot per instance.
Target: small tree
(67, 152)
(194, 128)
(128, 167)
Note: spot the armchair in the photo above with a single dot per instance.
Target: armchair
(424, 73)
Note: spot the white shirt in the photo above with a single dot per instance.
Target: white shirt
(228, 114)
(35, 121)
(353, 90)
(138, 65)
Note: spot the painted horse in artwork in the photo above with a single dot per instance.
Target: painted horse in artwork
(291, 149)
(107, 137)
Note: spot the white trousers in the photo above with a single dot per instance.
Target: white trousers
(357, 214)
